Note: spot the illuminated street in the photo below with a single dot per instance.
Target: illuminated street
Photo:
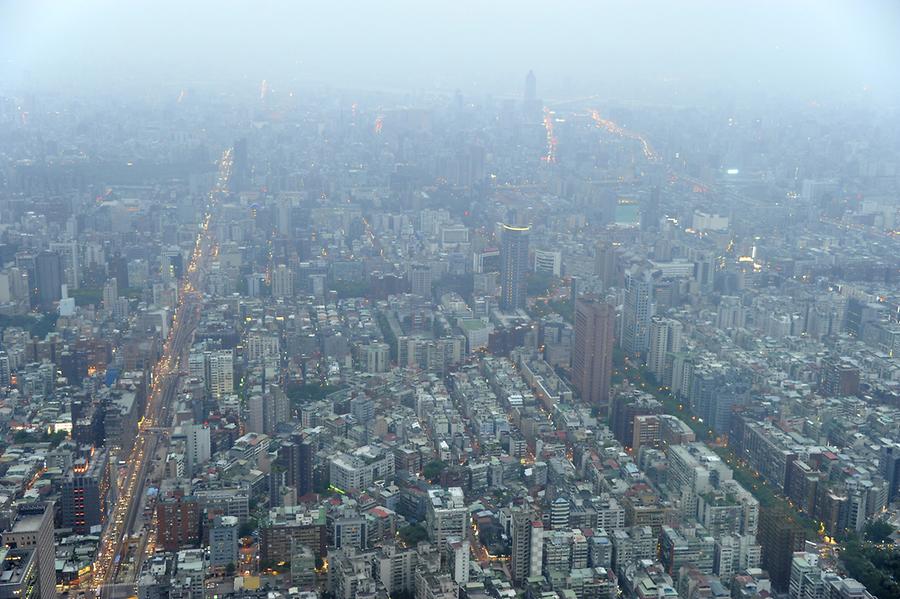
(118, 535)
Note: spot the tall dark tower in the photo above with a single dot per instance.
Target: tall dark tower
(531, 106)
(592, 351)
(513, 267)
(650, 211)
(530, 88)
(48, 279)
(240, 169)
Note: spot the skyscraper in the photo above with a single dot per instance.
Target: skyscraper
(527, 545)
(665, 339)
(530, 88)
(420, 280)
(32, 528)
(82, 495)
(592, 351)
(48, 279)
(605, 264)
(636, 314)
(282, 281)
(531, 106)
(513, 266)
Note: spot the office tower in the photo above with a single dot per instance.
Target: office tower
(731, 313)
(780, 535)
(531, 106)
(173, 263)
(240, 167)
(296, 456)
(705, 270)
(117, 268)
(446, 514)
(177, 518)
(592, 351)
(530, 88)
(223, 542)
(548, 261)
(282, 281)
(395, 567)
(255, 422)
(82, 496)
(377, 357)
(48, 279)
(32, 528)
(636, 314)
(527, 546)
(420, 280)
(889, 467)
(198, 446)
(646, 431)
(624, 410)
(840, 377)
(513, 267)
(110, 294)
(265, 411)
(605, 264)
(18, 574)
(289, 527)
(665, 339)
(305, 468)
(574, 292)
(650, 211)
(220, 377)
(283, 216)
(560, 510)
(69, 262)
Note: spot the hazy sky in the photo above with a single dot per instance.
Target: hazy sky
(819, 49)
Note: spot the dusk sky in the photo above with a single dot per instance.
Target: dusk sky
(804, 49)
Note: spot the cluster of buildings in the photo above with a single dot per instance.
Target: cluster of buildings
(548, 357)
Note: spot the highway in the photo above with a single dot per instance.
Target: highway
(117, 539)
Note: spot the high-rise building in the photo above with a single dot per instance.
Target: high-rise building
(48, 279)
(665, 339)
(605, 264)
(223, 542)
(395, 567)
(420, 280)
(177, 518)
(197, 447)
(32, 528)
(240, 170)
(780, 535)
(82, 496)
(592, 351)
(69, 262)
(889, 467)
(287, 528)
(296, 456)
(513, 267)
(220, 376)
(110, 294)
(531, 106)
(282, 281)
(636, 314)
(840, 378)
(446, 514)
(548, 261)
(527, 546)
(18, 574)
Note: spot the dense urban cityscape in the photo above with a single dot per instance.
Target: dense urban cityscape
(289, 341)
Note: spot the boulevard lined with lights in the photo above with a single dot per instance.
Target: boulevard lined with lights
(164, 383)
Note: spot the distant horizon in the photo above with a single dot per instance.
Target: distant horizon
(826, 51)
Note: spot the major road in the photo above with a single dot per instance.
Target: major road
(118, 538)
